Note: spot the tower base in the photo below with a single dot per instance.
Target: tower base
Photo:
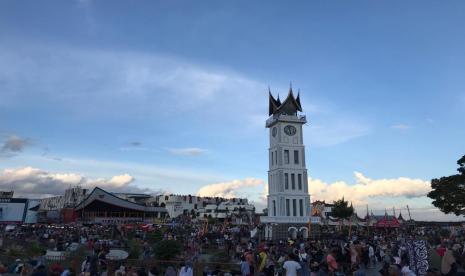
(284, 231)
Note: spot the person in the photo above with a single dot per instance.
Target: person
(291, 265)
(371, 255)
(304, 261)
(153, 271)
(405, 270)
(331, 261)
(39, 271)
(394, 270)
(448, 262)
(85, 266)
(262, 256)
(249, 257)
(245, 267)
(121, 270)
(186, 270)
(170, 271)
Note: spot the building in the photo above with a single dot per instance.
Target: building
(321, 209)
(288, 198)
(213, 207)
(179, 204)
(60, 209)
(238, 210)
(102, 207)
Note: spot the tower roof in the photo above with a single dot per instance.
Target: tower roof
(289, 106)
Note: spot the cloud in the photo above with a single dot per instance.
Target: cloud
(13, 145)
(153, 87)
(135, 144)
(229, 189)
(366, 190)
(401, 126)
(33, 182)
(187, 151)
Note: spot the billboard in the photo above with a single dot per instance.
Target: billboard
(12, 210)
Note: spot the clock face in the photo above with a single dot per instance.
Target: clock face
(274, 132)
(290, 130)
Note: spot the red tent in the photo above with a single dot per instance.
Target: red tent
(388, 222)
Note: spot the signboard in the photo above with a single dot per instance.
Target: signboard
(12, 211)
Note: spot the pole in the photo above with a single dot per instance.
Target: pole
(350, 227)
(409, 216)
(309, 227)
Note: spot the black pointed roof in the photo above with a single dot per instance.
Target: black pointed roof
(400, 216)
(273, 104)
(289, 106)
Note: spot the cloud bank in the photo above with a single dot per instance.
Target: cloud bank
(366, 190)
(229, 189)
(33, 182)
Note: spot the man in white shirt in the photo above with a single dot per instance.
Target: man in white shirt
(371, 254)
(291, 266)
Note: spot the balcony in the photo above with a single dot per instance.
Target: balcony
(286, 118)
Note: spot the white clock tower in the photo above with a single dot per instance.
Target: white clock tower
(288, 197)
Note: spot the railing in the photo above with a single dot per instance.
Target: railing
(284, 219)
(286, 118)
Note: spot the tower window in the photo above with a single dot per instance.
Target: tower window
(286, 156)
(288, 207)
(299, 181)
(301, 207)
(294, 207)
(272, 158)
(286, 181)
(276, 157)
(293, 181)
(296, 157)
(274, 207)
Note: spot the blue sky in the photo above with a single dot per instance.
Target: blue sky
(174, 93)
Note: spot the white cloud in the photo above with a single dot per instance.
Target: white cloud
(33, 182)
(187, 151)
(366, 190)
(401, 126)
(229, 189)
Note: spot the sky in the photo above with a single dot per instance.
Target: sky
(171, 96)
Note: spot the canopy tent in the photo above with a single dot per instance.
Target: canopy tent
(388, 223)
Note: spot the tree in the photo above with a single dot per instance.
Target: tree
(448, 192)
(155, 236)
(341, 209)
(167, 249)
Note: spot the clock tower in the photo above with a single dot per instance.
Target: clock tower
(288, 197)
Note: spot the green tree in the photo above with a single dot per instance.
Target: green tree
(448, 192)
(341, 209)
(135, 249)
(167, 249)
(155, 236)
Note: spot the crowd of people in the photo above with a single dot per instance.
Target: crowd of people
(406, 252)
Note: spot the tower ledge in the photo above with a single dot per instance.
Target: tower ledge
(285, 118)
